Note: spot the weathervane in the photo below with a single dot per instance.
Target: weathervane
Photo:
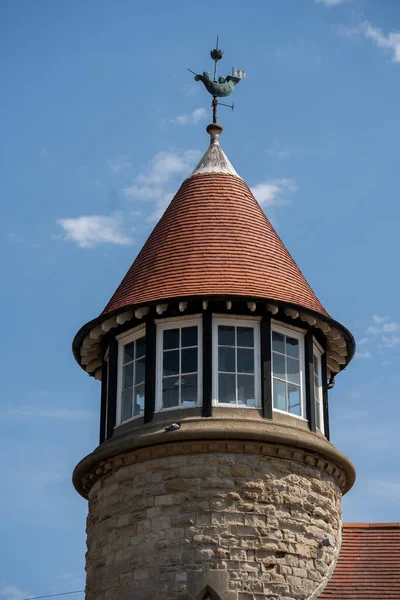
(222, 87)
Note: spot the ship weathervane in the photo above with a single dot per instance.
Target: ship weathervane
(221, 87)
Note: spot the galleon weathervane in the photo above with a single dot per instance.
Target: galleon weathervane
(222, 87)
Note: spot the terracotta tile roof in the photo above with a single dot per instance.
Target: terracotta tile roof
(369, 564)
(214, 239)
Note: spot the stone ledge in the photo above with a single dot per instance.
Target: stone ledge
(84, 479)
(292, 439)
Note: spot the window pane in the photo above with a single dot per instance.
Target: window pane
(226, 359)
(245, 337)
(126, 405)
(170, 392)
(171, 363)
(226, 388)
(189, 390)
(140, 347)
(189, 360)
(279, 394)
(246, 390)
(127, 376)
(293, 370)
(317, 363)
(278, 342)
(318, 416)
(294, 399)
(292, 347)
(189, 336)
(129, 352)
(138, 400)
(139, 371)
(245, 361)
(171, 339)
(278, 365)
(226, 335)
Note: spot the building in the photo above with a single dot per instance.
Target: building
(214, 476)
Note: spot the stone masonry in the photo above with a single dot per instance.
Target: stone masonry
(247, 526)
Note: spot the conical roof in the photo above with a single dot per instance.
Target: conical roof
(214, 240)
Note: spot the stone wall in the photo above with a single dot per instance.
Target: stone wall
(249, 526)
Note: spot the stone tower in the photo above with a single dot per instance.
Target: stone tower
(214, 477)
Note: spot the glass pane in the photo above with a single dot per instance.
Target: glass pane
(189, 390)
(226, 335)
(170, 392)
(126, 405)
(318, 416)
(140, 347)
(279, 394)
(246, 390)
(278, 342)
(294, 400)
(171, 339)
(138, 400)
(245, 337)
(189, 360)
(278, 365)
(127, 376)
(226, 388)
(139, 371)
(292, 347)
(171, 363)
(245, 361)
(129, 350)
(226, 359)
(317, 364)
(189, 336)
(293, 370)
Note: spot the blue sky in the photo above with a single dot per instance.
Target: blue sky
(101, 123)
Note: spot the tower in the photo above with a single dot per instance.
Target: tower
(214, 477)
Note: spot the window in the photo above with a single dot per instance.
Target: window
(179, 365)
(236, 362)
(319, 411)
(131, 376)
(288, 370)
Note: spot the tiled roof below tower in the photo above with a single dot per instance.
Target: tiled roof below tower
(369, 564)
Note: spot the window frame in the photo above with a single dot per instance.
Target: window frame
(126, 338)
(318, 351)
(298, 334)
(174, 323)
(253, 322)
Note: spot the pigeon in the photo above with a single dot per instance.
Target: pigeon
(173, 427)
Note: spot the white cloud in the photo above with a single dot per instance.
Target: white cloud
(389, 41)
(165, 165)
(118, 164)
(363, 355)
(12, 592)
(157, 182)
(390, 327)
(390, 341)
(199, 114)
(373, 330)
(330, 2)
(91, 230)
(379, 320)
(274, 191)
(363, 341)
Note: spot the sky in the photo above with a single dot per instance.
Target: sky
(101, 122)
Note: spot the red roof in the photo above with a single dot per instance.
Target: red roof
(369, 564)
(214, 239)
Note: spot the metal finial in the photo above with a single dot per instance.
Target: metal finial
(222, 87)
